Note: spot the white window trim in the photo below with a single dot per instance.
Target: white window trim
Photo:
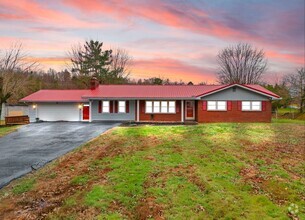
(251, 110)
(217, 110)
(106, 112)
(119, 107)
(168, 113)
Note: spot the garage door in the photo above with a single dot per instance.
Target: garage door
(58, 112)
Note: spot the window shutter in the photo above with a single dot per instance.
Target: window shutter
(239, 105)
(143, 106)
(229, 105)
(177, 106)
(204, 105)
(127, 106)
(264, 105)
(116, 106)
(99, 106)
(111, 106)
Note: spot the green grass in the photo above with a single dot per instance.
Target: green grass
(4, 130)
(287, 110)
(209, 171)
(23, 186)
(289, 121)
(80, 180)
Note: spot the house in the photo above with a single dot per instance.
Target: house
(154, 103)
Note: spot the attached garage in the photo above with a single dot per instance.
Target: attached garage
(58, 111)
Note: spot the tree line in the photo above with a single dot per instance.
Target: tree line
(241, 63)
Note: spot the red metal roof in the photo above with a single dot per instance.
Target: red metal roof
(135, 92)
(56, 96)
(149, 91)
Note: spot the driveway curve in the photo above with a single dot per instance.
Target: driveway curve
(34, 145)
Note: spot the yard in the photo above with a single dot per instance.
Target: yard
(4, 130)
(209, 171)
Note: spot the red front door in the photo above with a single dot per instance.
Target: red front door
(85, 112)
(189, 111)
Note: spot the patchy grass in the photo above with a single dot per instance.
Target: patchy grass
(23, 186)
(289, 121)
(4, 130)
(209, 171)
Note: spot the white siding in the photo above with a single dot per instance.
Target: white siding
(58, 112)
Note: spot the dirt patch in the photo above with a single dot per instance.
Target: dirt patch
(251, 174)
(148, 208)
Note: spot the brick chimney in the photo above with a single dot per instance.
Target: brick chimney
(94, 83)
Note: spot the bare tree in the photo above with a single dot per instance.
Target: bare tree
(296, 84)
(13, 65)
(121, 62)
(241, 64)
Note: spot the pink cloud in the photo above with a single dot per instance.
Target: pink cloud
(172, 69)
(297, 59)
(158, 12)
(32, 11)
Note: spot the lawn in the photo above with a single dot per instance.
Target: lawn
(4, 130)
(209, 171)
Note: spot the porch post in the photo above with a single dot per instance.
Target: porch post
(182, 111)
(90, 111)
(138, 110)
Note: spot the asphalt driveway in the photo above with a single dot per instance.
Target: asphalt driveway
(36, 144)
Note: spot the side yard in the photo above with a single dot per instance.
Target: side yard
(4, 130)
(209, 171)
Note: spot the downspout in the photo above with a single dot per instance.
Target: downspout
(138, 110)
(90, 111)
(182, 111)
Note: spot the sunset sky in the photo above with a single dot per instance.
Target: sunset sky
(177, 39)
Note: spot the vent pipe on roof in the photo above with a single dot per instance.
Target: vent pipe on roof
(94, 83)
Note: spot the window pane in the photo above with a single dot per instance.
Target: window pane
(149, 107)
(221, 105)
(172, 107)
(246, 106)
(211, 105)
(156, 107)
(122, 107)
(164, 107)
(172, 104)
(256, 106)
(106, 106)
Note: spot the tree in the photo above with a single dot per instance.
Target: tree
(241, 64)
(90, 60)
(120, 65)
(296, 84)
(282, 90)
(14, 69)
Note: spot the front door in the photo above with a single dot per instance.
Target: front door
(189, 110)
(86, 112)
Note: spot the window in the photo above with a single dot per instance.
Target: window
(105, 106)
(160, 107)
(122, 106)
(251, 106)
(212, 105)
(149, 107)
(256, 106)
(217, 105)
(156, 107)
(172, 107)
(163, 107)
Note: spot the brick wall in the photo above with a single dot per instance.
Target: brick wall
(234, 115)
(160, 117)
